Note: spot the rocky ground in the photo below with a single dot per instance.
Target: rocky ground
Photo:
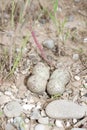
(47, 87)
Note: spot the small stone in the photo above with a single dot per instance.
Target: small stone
(38, 105)
(78, 129)
(28, 107)
(68, 124)
(12, 109)
(19, 123)
(59, 123)
(85, 40)
(25, 100)
(43, 114)
(59, 9)
(35, 114)
(43, 120)
(49, 43)
(8, 93)
(42, 127)
(75, 57)
(74, 121)
(26, 120)
(10, 120)
(65, 110)
(9, 127)
(77, 78)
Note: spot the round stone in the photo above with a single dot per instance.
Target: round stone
(12, 109)
(75, 57)
(49, 43)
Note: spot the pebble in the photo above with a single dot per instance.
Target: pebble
(43, 113)
(42, 127)
(49, 43)
(74, 121)
(77, 78)
(58, 81)
(28, 107)
(9, 127)
(8, 93)
(26, 120)
(4, 99)
(35, 114)
(12, 109)
(85, 40)
(78, 129)
(43, 120)
(19, 123)
(75, 57)
(65, 110)
(68, 124)
(59, 123)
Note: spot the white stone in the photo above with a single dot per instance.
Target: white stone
(43, 114)
(10, 120)
(59, 123)
(8, 93)
(74, 121)
(19, 123)
(35, 114)
(85, 40)
(25, 100)
(43, 120)
(28, 107)
(38, 105)
(42, 127)
(78, 129)
(26, 120)
(12, 109)
(64, 109)
(68, 124)
(77, 78)
(75, 57)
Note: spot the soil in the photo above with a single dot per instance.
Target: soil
(62, 56)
